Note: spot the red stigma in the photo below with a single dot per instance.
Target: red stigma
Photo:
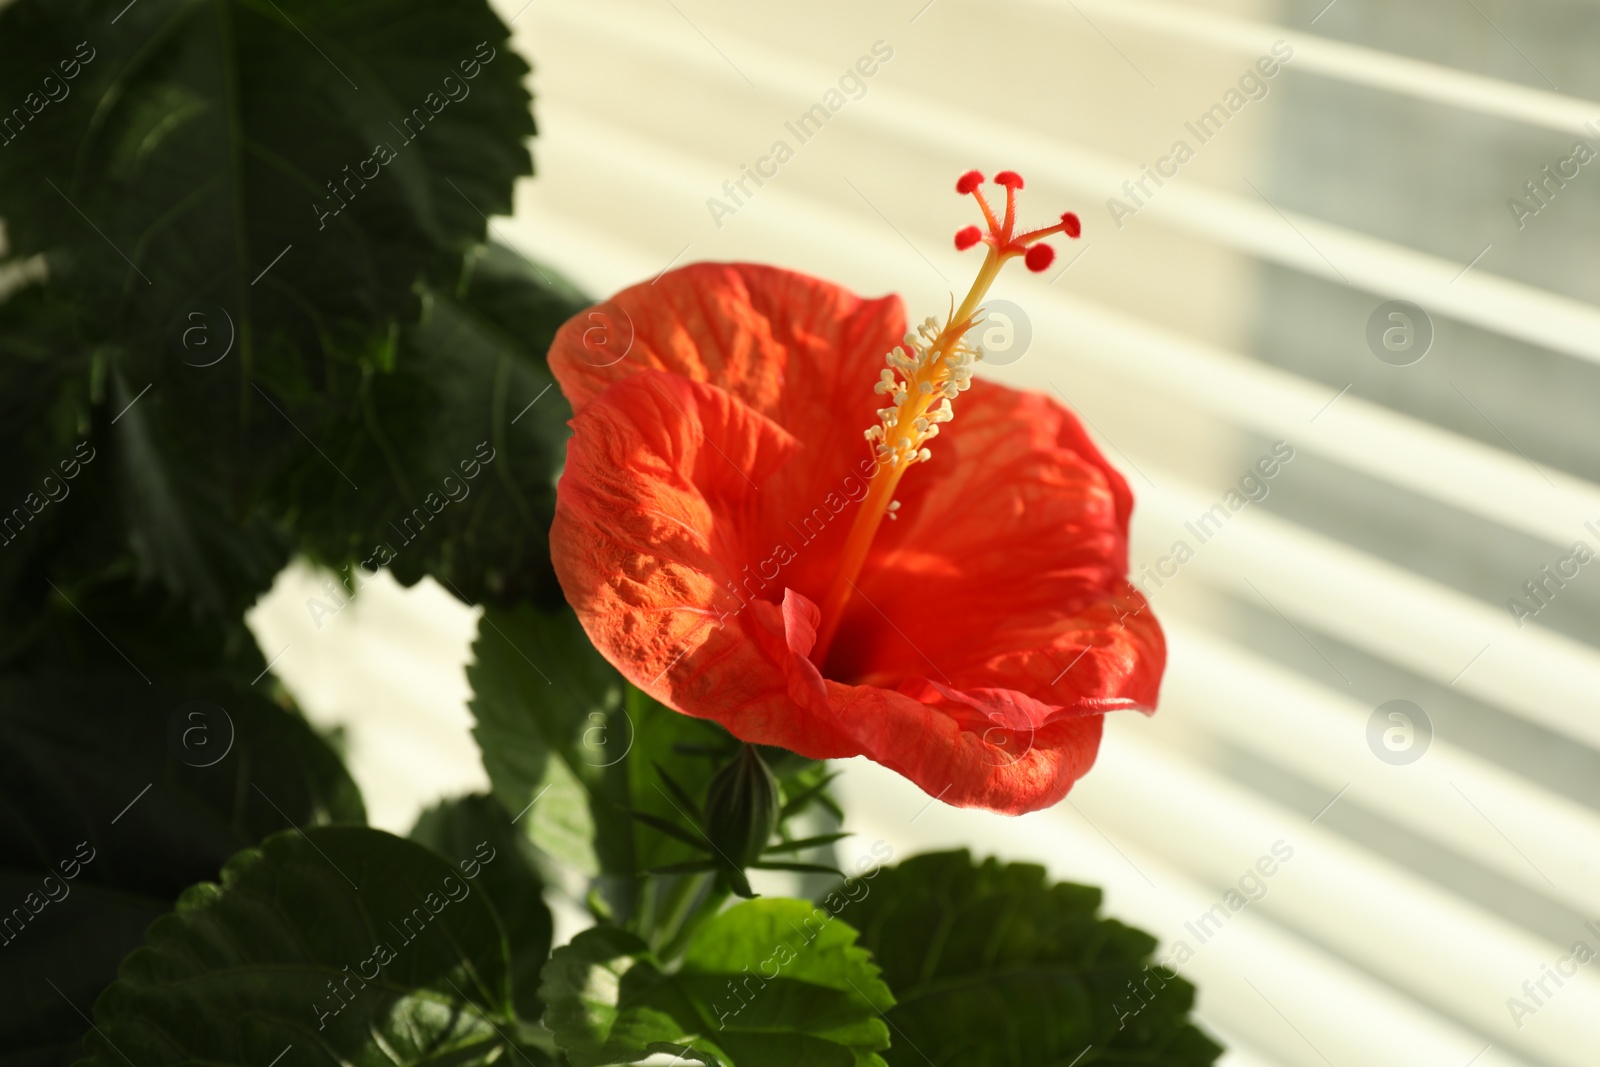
(999, 231)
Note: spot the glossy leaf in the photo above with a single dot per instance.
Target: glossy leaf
(115, 796)
(993, 965)
(553, 732)
(476, 829)
(343, 945)
(769, 983)
(456, 450)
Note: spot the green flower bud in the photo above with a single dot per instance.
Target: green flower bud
(742, 808)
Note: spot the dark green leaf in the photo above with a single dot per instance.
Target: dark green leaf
(554, 734)
(476, 828)
(136, 792)
(457, 450)
(196, 191)
(769, 983)
(70, 595)
(111, 621)
(348, 945)
(994, 966)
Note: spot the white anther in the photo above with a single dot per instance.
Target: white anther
(923, 455)
(900, 397)
(942, 413)
(925, 388)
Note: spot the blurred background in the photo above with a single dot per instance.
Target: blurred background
(1351, 683)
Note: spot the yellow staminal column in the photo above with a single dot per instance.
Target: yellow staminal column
(941, 368)
(920, 381)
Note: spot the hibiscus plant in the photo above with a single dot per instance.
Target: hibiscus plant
(721, 528)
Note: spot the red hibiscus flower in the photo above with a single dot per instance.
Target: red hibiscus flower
(720, 528)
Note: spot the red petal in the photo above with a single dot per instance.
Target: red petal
(786, 344)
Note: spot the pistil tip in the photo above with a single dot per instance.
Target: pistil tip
(1039, 257)
(1009, 178)
(966, 238)
(968, 182)
(1070, 224)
